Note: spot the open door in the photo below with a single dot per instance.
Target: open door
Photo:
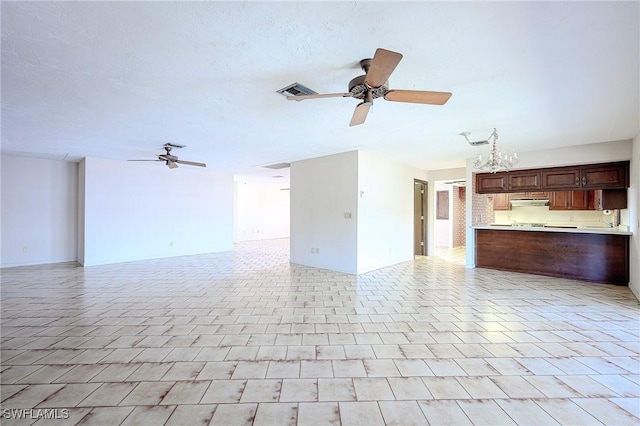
(420, 218)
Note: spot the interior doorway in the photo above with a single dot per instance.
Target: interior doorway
(420, 217)
(449, 230)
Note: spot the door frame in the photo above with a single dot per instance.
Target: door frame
(420, 216)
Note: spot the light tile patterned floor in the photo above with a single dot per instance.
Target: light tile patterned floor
(246, 338)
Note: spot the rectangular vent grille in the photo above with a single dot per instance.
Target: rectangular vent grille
(296, 89)
(278, 166)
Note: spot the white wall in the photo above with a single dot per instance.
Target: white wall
(39, 211)
(385, 212)
(262, 211)
(634, 219)
(135, 211)
(322, 190)
(80, 211)
(580, 154)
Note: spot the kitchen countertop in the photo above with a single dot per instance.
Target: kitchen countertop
(552, 228)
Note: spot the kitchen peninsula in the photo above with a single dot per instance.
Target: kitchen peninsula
(597, 251)
(590, 254)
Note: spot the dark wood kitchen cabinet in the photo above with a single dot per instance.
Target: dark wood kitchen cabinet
(571, 200)
(560, 178)
(521, 181)
(609, 199)
(524, 181)
(603, 176)
(502, 201)
(591, 176)
(596, 176)
(489, 183)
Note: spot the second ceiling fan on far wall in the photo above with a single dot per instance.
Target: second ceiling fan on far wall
(375, 84)
(171, 160)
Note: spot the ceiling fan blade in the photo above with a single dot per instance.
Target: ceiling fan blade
(319, 96)
(360, 113)
(144, 160)
(172, 164)
(190, 163)
(418, 97)
(383, 63)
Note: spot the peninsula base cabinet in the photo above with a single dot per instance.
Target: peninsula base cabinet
(602, 258)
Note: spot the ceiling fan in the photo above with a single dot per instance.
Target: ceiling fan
(171, 160)
(375, 84)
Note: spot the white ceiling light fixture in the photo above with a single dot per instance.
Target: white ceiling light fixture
(497, 160)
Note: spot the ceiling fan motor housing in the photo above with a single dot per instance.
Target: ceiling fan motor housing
(358, 88)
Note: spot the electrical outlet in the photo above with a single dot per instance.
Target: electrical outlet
(312, 250)
(347, 215)
(170, 243)
(317, 250)
(25, 249)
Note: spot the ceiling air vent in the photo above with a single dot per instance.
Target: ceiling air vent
(278, 166)
(474, 143)
(296, 89)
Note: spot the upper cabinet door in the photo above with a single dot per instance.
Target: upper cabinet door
(501, 201)
(491, 183)
(524, 181)
(561, 178)
(601, 176)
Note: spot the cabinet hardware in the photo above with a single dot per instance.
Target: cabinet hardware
(577, 181)
(584, 180)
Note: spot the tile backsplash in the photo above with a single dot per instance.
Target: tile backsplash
(542, 214)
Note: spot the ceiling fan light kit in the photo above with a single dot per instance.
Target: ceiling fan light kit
(171, 160)
(375, 84)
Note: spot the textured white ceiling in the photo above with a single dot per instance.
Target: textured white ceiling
(119, 79)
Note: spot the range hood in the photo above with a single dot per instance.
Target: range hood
(529, 202)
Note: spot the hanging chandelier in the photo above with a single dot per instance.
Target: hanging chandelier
(497, 159)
